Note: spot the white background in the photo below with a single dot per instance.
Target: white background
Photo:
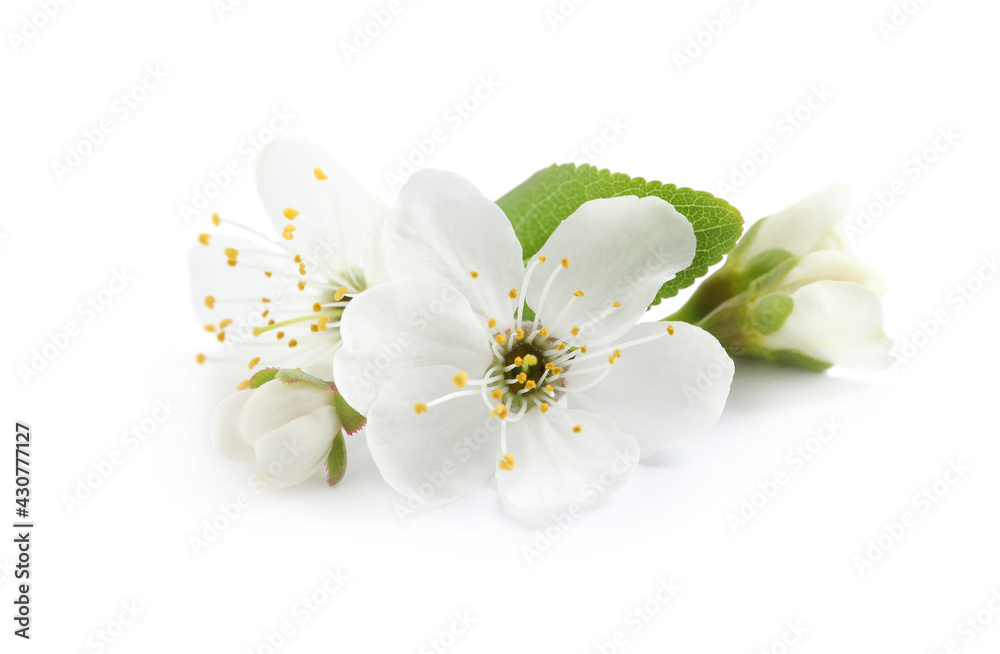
(64, 236)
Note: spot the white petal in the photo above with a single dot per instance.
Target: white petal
(836, 322)
(443, 229)
(337, 211)
(555, 467)
(401, 326)
(801, 226)
(290, 453)
(225, 428)
(663, 392)
(437, 456)
(619, 250)
(276, 403)
(833, 265)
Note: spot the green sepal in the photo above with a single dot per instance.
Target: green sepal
(770, 312)
(350, 419)
(336, 460)
(261, 377)
(293, 376)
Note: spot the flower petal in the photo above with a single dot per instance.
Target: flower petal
(277, 403)
(836, 322)
(225, 431)
(291, 452)
(337, 211)
(397, 327)
(556, 466)
(833, 265)
(800, 227)
(619, 250)
(437, 456)
(664, 392)
(444, 230)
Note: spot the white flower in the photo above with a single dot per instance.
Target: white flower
(792, 292)
(278, 299)
(458, 384)
(287, 428)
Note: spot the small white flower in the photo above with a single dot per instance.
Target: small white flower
(278, 299)
(454, 377)
(287, 428)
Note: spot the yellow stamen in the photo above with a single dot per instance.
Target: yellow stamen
(280, 335)
(549, 389)
(521, 378)
(497, 394)
(267, 274)
(543, 407)
(232, 253)
(512, 294)
(339, 295)
(321, 325)
(200, 358)
(617, 354)
(577, 429)
(460, 379)
(209, 328)
(670, 329)
(243, 385)
(221, 337)
(473, 274)
(507, 462)
(518, 361)
(203, 238)
(578, 294)
(561, 346)
(318, 172)
(501, 339)
(501, 411)
(302, 286)
(292, 343)
(519, 333)
(302, 268)
(544, 332)
(225, 323)
(492, 323)
(298, 258)
(209, 301)
(290, 213)
(253, 362)
(541, 259)
(616, 304)
(419, 408)
(530, 384)
(215, 219)
(317, 307)
(565, 263)
(611, 359)
(574, 331)
(231, 262)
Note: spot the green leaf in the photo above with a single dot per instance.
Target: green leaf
(351, 420)
(548, 197)
(336, 460)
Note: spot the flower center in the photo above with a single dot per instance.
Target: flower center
(527, 368)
